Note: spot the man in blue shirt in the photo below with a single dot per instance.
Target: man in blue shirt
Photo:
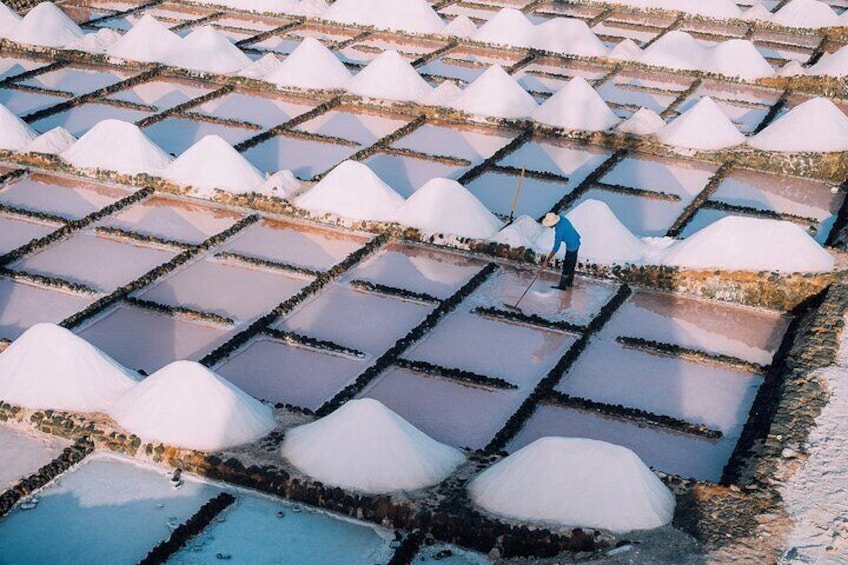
(564, 232)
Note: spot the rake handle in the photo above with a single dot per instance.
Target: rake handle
(529, 286)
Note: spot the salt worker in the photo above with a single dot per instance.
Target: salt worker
(564, 232)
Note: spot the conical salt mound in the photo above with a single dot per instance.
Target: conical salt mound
(206, 49)
(148, 41)
(50, 367)
(568, 36)
(352, 190)
(311, 65)
(508, 27)
(604, 238)
(576, 482)
(365, 446)
(262, 67)
(51, 142)
(737, 58)
(15, 134)
(443, 95)
(213, 163)
(815, 125)
(117, 146)
(389, 76)
(406, 15)
(523, 232)
(792, 68)
(626, 50)
(750, 244)
(460, 26)
(445, 206)
(675, 49)
(9, 20)
(184, 404)
(46, 25)
(831, 64)
(512, 101)
(576, 106)
(703, 126)
(806, 13)
(644, 122)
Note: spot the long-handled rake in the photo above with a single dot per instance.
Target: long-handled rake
(514, 307)
(515, 197)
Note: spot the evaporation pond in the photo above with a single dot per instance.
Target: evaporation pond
(226, 288)
(173, 220)
(698, 393)
(23, 304)
(251, 532)
(25, 452)
(59, 197)
(106, 511)
(149, 341)
(100, 262)
(515, 353)
(289, 244)
(290, 374)
(449, 411)
(418, 270)
(723, 329)
(362, 320)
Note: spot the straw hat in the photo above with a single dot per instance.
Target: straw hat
(550, 220)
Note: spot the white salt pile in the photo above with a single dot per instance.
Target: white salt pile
(756, 12)
(51, 142)
(206, 49)
(791, 69)
(460, 26)
(831, 64)
(512, 101)
(117, 146)
(568, 36)
(735, 57)
(721, 9)
(311, 65)
(750, 244)
(523, 232)
(807, 14)
(576, 482)
(576, 106)
(389, 76)
(15, 134)
(405, 15)
(148, 40)
(186, 405)
(626, 50)
(261, 67)
(703, 126)
(508, 27)
(9, 19)
(643, 122)
(99, 42)
(365, 446)
(45, 25)
(675, 49)
(212, 163)
(352, 190)
(282, 184)
(604, 239)
(50, 367)
(816, 125)
(445, 206)
(443, 95)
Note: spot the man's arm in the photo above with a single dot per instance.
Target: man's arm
(547, 259)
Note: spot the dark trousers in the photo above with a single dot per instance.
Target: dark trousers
(569, 264)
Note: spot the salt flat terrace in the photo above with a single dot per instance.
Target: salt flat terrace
(307, 315)
(264, 302)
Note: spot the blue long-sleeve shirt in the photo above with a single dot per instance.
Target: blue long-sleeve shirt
(564, 232)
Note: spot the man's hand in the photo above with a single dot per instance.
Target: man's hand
(547, 260)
